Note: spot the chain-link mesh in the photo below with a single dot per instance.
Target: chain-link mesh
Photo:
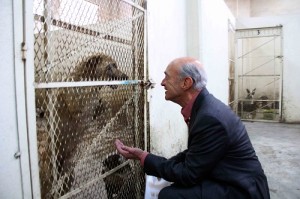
(89, 60)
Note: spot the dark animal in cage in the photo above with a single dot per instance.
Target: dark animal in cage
(98, 67)
(247, 107)
(263, 103)
(119, 184)
(62, 115)
(275, 105)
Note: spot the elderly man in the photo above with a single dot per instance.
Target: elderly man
(220, 161)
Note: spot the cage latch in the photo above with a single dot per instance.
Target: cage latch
(23, 49)
(148, 84)
(17, 155)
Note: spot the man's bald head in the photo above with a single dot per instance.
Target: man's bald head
(190, 67)
(179, 62)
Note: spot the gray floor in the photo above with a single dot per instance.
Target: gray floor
(278, 147)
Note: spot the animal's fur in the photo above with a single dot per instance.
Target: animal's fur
(67, 114)
(118, 183)
(263, 104)
(98, 67)
(267, 104)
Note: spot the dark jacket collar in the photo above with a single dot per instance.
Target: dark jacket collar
(197, 104)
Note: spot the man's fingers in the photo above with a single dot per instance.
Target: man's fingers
(121, 146)
(118, 143)
(122, 149)
(125, 148)
(126, 151)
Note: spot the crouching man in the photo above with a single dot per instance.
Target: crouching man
(220, 161)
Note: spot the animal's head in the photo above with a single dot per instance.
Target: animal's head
(99, 67)
(112, 72)
(250, 94)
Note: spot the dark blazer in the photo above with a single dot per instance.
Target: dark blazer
(219, 152)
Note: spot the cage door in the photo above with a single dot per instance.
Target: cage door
(259, 74)
(89, 67)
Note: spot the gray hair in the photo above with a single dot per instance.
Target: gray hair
(196, 73)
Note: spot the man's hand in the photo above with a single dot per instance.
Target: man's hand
(129, 152)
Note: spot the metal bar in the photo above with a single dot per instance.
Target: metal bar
(255, 33)
(255, 36)
(84, 30)
(236, 79)
(259, 66)
(259, 120)
(267, 27)
(146, 76)
(135, 73)
(259, 76)
(30, 101)
(93, 181)
(22, 143)
(52, 96)
(281, 80)
(134, 5)
(272, 81)
(80, 29)
(259, 100)
(257, 47)
(87, 83)
(232, 60)
(135, 61)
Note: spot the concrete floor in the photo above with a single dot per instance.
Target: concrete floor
(277, 146)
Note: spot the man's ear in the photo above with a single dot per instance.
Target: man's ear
(187, 83)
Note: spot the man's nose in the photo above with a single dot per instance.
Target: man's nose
(162, 82)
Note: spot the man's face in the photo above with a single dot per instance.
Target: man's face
(172, 84)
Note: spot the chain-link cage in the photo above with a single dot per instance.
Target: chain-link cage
(89, 68)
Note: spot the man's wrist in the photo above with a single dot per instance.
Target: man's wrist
(143, 157)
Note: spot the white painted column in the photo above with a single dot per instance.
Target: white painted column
(166, 41)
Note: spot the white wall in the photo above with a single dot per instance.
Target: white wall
(17, 103)
(10, 167)
(207, 36)
(291, 54)
(166, 41)
(214, 17)
(267, 8)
